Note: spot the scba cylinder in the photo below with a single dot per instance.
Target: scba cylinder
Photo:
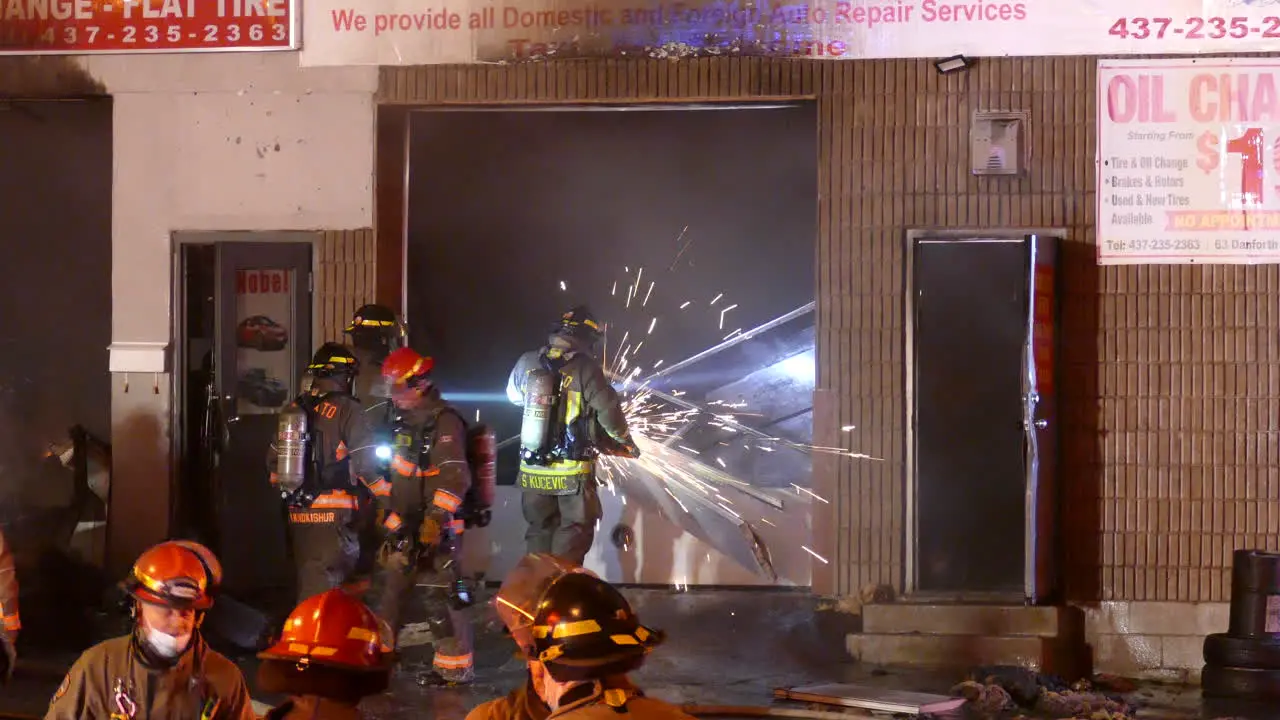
(539, 402)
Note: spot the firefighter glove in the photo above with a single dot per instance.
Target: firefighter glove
(633, 450)
(432, 530)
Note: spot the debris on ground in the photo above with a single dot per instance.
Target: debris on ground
(997, 689)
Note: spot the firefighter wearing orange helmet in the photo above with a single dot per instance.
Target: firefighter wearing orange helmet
(12, 623)
(163, 669)
(430, 477)
(333, 652)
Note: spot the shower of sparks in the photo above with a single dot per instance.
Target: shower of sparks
(722, 312)
(563, 286)
(690, 469)
(848, 428)
(816, 555)
(477, 414)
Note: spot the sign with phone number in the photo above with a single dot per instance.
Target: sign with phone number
(67, 27)
(1189, 161)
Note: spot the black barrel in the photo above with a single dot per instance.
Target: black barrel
(1255, 594)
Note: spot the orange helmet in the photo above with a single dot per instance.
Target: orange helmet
(177, 573)
(405, 364)
(333, 629)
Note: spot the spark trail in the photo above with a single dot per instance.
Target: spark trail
(697, 484)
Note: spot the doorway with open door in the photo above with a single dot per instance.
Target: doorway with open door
(245, 333)
(982, 486)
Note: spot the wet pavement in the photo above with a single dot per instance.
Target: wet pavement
(724, 647)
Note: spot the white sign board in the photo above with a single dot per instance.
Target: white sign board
(1189, 161)
(412, 32)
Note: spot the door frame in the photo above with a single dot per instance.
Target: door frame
(910, 525)
(178, 319)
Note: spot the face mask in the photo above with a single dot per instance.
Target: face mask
(165, 645)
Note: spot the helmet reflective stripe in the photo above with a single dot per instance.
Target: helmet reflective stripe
(417, 365)
(179, 588)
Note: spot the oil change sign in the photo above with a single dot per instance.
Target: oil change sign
(1188, 168)
(423, 32)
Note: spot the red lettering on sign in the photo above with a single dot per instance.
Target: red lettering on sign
(261, 282)
(140, 26)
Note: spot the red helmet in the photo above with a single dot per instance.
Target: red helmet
(333, 629)
(176, 573)
(405, 364)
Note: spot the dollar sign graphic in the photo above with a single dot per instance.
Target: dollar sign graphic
(1207, 144)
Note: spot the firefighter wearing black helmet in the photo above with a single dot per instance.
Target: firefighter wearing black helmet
(580, 638)
(567, 400)
(324, 465)
(374, 332)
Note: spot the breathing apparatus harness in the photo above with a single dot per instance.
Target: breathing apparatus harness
(473, 512)
(316, 481)
(560, 440)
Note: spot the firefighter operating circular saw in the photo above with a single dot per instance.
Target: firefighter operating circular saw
(324, 464)
(567, 400)
(442, 481)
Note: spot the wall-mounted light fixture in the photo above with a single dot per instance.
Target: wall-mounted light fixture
(955, 63)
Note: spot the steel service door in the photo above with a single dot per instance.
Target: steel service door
(984, 448)
(263, 345)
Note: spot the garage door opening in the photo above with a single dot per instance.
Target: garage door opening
(55, 200)
(690, 231)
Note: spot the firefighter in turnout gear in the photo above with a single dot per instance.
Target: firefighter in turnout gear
(566, 398)
(325, 469)
(375, 332)
(8, 610)
(516, 605)
(333, 652)
(430, 476)
(580, 638)
(163, 669)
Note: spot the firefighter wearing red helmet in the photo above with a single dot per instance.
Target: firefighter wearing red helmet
(580, 638)
(163, 669)
(430, 477)
(332, 653)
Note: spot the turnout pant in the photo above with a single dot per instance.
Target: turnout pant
(325, 547)
(450, 629)
(563, 525)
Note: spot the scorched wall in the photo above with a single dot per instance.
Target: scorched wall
(1171, 391)
(231, 141)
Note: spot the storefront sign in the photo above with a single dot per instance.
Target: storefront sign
(264, 341)
(412, 32)
(1189, 161)
(67, 27)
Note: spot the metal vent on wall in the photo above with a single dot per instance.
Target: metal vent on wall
(996, 142)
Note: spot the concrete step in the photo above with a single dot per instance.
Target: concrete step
(1068, 658)
(907, 618)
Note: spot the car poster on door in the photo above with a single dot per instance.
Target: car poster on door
(265, 379)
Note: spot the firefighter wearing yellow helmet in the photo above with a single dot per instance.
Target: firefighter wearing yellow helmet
(566, 398)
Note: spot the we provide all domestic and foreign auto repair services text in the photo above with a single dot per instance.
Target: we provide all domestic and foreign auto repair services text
(417, 32)
(29, 27)
(1189, 160)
